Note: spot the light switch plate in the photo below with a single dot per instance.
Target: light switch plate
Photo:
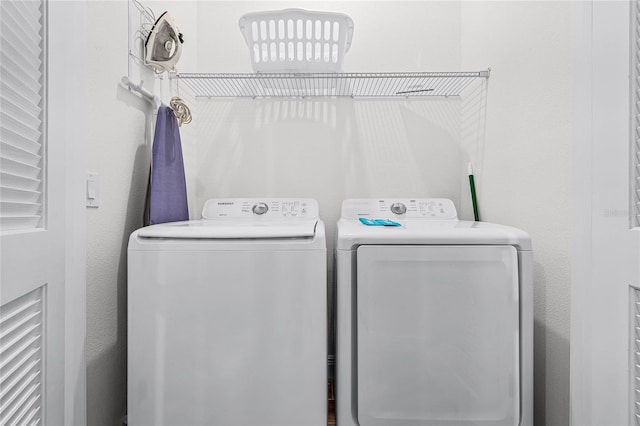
(93, 189)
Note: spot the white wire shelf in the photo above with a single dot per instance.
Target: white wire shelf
(301, 85)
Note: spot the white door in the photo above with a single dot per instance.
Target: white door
(35, 346)
(605, 248)
(438, 335)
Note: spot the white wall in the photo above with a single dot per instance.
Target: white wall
(120, 128)
(527, 162)
(116, 149)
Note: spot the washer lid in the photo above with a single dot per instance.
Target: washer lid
(206, 229)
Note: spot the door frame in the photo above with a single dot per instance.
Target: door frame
(67, 71)
(603, 248)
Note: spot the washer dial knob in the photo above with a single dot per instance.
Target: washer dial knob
(260, 208)
(398, 208)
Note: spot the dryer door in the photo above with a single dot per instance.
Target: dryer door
(437, 335)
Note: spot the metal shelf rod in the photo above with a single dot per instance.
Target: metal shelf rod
(301, 85)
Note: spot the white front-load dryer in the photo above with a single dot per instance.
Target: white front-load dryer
(434, 318)
(227, 317)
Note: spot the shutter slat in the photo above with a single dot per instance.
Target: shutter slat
(19, 127)
(20, 329)
(32, 10)
(25, 371)
(23, 402)
(20, 37)
(17, 223)
(16, 354)
(27, 10)
(19, 148)
(15, 60)
(16, 195)
(30, 406)
(13, 101)
(30, 419)
(14, 181)
(27, 22)
(18, 114)
(9, 316)
(12, 56)
(17, 154)
(12, 76)
(19, 169)
(18, 209)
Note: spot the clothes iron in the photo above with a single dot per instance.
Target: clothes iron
(163, 46)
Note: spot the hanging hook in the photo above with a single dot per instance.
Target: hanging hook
(146, 94)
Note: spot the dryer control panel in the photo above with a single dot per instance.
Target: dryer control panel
(256, 208)
(400, 208)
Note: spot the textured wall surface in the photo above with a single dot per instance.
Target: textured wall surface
(116, 150)
(120, 129)
(526, 174)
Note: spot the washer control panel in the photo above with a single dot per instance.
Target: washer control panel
(256, 208)
(409, 208)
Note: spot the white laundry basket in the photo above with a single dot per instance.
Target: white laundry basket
(296, 40)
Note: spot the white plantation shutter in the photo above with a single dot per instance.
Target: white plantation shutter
(22, 114)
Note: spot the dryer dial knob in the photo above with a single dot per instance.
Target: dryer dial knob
(398, 208)
(260, 208)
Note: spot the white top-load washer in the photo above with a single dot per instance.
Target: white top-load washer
(227, 317)
(434, 318)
